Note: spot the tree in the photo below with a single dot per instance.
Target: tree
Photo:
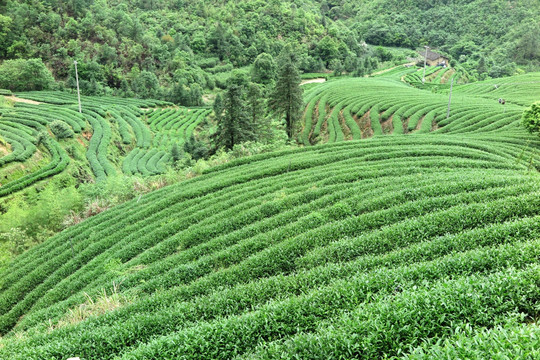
(197, 149)
(25, 75)
(531, 118)
(286, 99)
(256, 112)
(146, 85)
(175, 153)
(5, 25)
(337, 66)
(264, 69)
(234, 127)
(327, 49)
(91, 78)
(527, 48)
(218, 107)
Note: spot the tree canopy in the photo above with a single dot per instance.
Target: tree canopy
(25, 75)
(119, 42)
(531, 118)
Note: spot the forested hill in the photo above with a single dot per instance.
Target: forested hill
(167, 48)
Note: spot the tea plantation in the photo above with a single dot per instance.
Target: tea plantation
(357, 108)
(117, 135)
(419, 241)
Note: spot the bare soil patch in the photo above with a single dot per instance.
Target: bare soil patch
(388, 125)
(347, 134)
(311, 81)
(364, 123)
(419, 125)
(405, 125)
(25, 101)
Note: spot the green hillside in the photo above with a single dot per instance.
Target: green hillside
(115, 136)
(357, 108)
(112, 136)
(269, 179)
(174, 50)
(326, 251)
(403, 233)
(323, 252)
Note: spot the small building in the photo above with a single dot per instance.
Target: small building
(436, 59)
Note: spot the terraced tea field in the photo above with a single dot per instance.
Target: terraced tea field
(334, 251)
(419, 246)
(144, 138)
(169, 126)
(357, 108)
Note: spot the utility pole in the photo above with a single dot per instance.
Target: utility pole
(78, 91)
(425, 61)
(450, 98)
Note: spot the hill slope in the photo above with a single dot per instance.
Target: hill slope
(324, 252)
(136, 46)
(357, 108)
(110, 136)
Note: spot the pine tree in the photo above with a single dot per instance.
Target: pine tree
(256, 111)
(218, 107)
(286, 99)
(234, 127)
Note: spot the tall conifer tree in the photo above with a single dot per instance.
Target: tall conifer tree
(286, 99)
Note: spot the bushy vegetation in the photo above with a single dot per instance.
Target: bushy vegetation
(531, 118)
(139, 48)
(25, 75)
(61, 130)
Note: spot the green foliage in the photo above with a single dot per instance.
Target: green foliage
(218, 107)
(116, 43)
(196, 149)
(295, 252)
(264, 69)
(338, 110)
(61, 130)
(531, 118)
(25, 75)
(175, 153)
(234, 126)
(286, 97)
(514, 341)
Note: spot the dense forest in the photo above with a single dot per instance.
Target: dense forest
(178, 50)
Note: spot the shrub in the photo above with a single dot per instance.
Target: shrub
(25, 75)
(531, 118)
(61, 130)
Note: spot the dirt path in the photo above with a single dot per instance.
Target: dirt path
(311, 81)
(26, 101)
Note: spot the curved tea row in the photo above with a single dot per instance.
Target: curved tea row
(327, 251)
